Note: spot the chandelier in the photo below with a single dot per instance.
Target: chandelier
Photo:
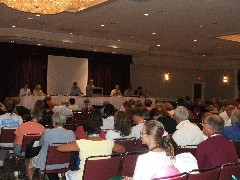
(50, 6)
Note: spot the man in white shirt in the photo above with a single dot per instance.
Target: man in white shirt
(138, 115)
(226, 115)
(25, 91)
(116, 92)
(187, 133)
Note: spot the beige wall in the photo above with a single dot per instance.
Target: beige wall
(148, 72)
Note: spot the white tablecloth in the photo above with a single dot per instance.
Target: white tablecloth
(29, 101)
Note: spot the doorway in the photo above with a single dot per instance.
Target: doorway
(198, 90)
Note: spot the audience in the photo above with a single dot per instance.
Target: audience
(232, 132)
(157, 162)
(56, 135)
(166, 119)
(87, 107)
(122, 126)
(156, 112)
(21, 110)
(108, 118)
(63, 108)
(187, 133)
(226, 115)
(48, 100)
(72, 106)
(30, 127)
(93, 145)
(216, 149)
(138, 115)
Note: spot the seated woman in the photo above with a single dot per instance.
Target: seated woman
(56, 135)
(93, 145)
(81, 134)
(108, 118)
(122, 127)
(157, 162)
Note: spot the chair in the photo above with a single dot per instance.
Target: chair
(70, 127)
(139, 146)
(128, 163)
(98, 168)
(127, 143)
(206, 174)
(228, 169)
(190, 148)
(237, 146)
(56, 157)
(182, 176)
(6, 138)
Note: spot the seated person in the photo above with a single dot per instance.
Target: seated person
(25, 91)
(10, 119)
(128, 92)
(97, 115)
(116, 92)
(63, 108)
(46, 119)
(208, 153)
(75, 90)
(30, 127)
(148, 105)
(72, 106)
(138, 115)
(87, 106)
(93, 145)
(2, 109)
(122, 126)
(108, 117)
(232, 132)
(156, 111)
(37, 91)
(56, 135)
(48, 100)
(139, 91)
(157, 162)
(166, 119)
(21, 110)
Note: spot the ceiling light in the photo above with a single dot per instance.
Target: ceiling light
(13, 26)
(195, 40)
(119, 40)
(50, 7)
(70, 33)
(30, 18)
(153, 33)
(114, 52)
(39, 44)
(102, 25)
(12, 41)
(146, 14)
(158, 45)
(38, 15)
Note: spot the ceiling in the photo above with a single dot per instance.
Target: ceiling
(181, 27)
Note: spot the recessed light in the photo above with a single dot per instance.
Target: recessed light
(146, 14)
(12, 41)
(195, 40)
(38, 15)
(30, 18)
(153, 33)
(158, 45)
(119, 40)
(13, 26)
(70, 33)
(204, 55)
(102, 25)
(95, 50)
(39, 44)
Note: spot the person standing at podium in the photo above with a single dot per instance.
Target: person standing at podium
(90, 85)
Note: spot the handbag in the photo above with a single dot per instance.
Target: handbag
(31, 150)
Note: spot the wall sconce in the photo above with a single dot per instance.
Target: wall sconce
(225, 79)
(166, 76)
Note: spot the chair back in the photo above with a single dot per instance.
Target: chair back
(7, 137)
(98, 168)
(190, 148)
(228, 169)
(128, 163)
(70, 127)
(139, 146)
(237, 146)
(206, 174)
(182, 176)
(28, 139)
(56, 157)
(127, 143)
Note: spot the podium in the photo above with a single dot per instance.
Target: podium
(94, 92)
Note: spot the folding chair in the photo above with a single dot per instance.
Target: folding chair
(139, 146)
(98, 168)
(128, 163)
(237, 146)
(7, 137)
(206, 174)
(70, 127)
(190, 148)
(182, 176)
(228, 169)
(55, 157)
(127, 143)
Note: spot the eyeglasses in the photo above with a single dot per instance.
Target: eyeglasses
(203, 122)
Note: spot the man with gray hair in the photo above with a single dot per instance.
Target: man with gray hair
(63, 108)
(216, 150)
(233, 132)
(187, 133)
